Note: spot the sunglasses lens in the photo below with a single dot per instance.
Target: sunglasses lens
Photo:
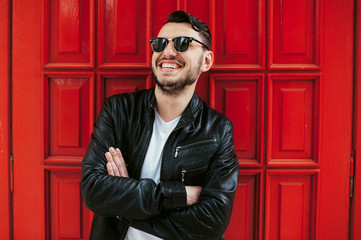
(159, 44)
(181, 44)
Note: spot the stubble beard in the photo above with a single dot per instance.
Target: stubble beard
(175, 88)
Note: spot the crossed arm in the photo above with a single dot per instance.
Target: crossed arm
(158, 209)
(156, 213)
(116, 167)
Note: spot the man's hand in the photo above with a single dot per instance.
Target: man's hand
(116, 167)
(193, 193)
(116, 164)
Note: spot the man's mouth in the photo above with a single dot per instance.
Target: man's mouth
(170, 66)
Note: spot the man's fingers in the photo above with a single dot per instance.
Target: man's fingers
(115, 158)
(110, 169)
(119, 162)
(110, 160)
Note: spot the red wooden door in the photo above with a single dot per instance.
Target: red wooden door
(282, 74)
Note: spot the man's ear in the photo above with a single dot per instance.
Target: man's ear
(208, 61)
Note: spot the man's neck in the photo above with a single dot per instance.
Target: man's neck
(170, 107)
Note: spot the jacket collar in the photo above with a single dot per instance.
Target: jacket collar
(188, 116)
(151, 100)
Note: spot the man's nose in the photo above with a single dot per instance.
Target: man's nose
(169, 50)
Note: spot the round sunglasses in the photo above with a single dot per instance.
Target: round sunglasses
(181, 44)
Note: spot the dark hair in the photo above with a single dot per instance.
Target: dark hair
(197, 25)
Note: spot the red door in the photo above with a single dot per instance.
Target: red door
(282, 74)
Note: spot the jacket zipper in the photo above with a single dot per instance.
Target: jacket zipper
(175, 129)
(184, 171)
(183, 174)
(191, 144)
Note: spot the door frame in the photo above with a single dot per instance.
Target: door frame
(5, 119)
(355, 204)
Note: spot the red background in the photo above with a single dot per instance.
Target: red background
(286, 73)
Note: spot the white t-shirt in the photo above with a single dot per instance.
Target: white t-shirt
(151, 165)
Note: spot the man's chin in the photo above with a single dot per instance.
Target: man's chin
(170, 90)
(173, 86)
(168, 81)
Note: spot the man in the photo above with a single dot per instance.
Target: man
(161, 163)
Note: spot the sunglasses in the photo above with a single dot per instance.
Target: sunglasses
(181, 44)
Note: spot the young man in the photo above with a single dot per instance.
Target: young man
(161, 163)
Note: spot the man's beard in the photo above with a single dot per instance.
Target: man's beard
(176, 87)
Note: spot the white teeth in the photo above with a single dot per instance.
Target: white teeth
(169, 66)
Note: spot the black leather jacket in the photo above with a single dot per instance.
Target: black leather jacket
(199, 151)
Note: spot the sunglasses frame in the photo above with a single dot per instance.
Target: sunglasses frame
(168, 39)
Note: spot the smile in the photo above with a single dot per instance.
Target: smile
(169, 66)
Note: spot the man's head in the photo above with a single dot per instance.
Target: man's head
(197, 25)
(181, 53)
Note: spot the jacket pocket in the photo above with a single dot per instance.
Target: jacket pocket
(192, 159)
(193, 176)
(194, 147)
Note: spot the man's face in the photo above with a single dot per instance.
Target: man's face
(173, 70)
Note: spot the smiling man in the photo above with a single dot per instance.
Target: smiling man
(174, 72)
(161, 162)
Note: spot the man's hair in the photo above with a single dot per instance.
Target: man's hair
(197, 25)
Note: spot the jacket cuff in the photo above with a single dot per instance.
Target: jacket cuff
(175, 195)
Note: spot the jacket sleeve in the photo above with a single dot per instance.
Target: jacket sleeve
(209, 217)
(118, 196)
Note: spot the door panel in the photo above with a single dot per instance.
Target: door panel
(68, 37)
(291, 204)
(69, 114)
(291, 109)
(69, 218)
(239, 31)
(110, 83)
(243, 92)
(247, 211)
(118, 47)
(159, 12)
(293, 121)
(294, 34)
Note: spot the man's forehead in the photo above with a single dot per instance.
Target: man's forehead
(172, 30)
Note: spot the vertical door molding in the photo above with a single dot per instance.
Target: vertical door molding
(5, 118)
(336, 118)
(355, 224)
(28, 121)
